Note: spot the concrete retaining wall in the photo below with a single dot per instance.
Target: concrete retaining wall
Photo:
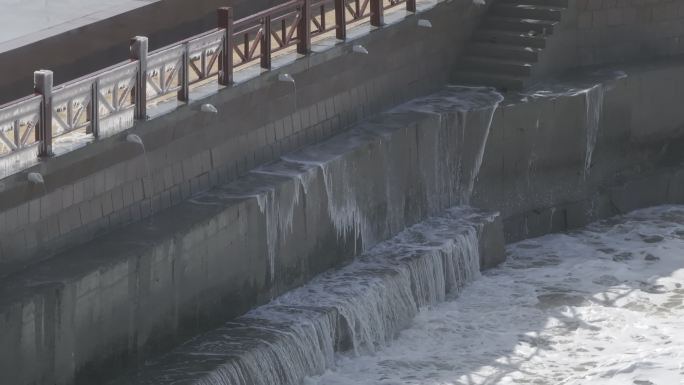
(113, 302)
(599, 32)
(105, 185)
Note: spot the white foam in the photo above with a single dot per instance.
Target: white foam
(599, 306)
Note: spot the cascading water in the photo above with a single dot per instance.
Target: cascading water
(360, 307)
(473, 110)
(593, 98)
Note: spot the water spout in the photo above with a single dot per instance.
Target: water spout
(36, 178)
(286, 78)
(133, 138)
(209, 108)
(424, 23)
(358, 48)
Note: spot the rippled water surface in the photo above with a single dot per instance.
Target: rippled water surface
(604, 305)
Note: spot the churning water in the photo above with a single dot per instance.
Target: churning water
(599, 306)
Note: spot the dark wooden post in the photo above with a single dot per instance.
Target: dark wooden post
(184, 75)
(340, 20)
(42, 84)
(377, 16)
(304, 28)
(225, 22)
(94, 109)
(139, 49)
(411, 5)
(266, 43)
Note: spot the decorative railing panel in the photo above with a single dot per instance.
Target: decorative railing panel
(18, 121)
(204, 52)
(322, 17)
(165, 71)
(116, 88)
(72, 107)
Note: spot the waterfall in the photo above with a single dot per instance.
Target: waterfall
(358, 308)
(473, 110)
(593, 98)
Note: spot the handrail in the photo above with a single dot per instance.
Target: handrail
(87, 102)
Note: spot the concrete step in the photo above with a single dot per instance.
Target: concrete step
(526, 11)
(502, 66)
(550, 3)
(527, 39)
(492, 79)
(542, 27)
(504, 51)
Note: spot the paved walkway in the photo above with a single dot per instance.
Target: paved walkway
(24, 19)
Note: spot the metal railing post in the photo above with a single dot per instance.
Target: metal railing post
(340, 20)
(184, 75)
(411, 5)
(304, 28)
(94, 109)
(377, 16)
(266, 43)
(139, 49)
(225, 22)
(42, 84)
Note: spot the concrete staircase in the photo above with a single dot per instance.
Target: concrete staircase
(509, 42)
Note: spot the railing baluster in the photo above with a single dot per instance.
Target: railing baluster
(184, 75)
(225, 17)
(139, 49)
(340, 20)
(377, 16)
(411, 5)
(266, 43)
(304, 28)
(93, 109)
(42, 82)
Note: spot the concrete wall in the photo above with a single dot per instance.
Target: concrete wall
(534, 166)
(86, 49)
(113, 302)
(105, 185)
(597, 32)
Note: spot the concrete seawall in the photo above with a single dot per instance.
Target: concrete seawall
(223, 252)
(109, 267)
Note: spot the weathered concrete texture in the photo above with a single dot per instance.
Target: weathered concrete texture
(105, 185)
(598, 32)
